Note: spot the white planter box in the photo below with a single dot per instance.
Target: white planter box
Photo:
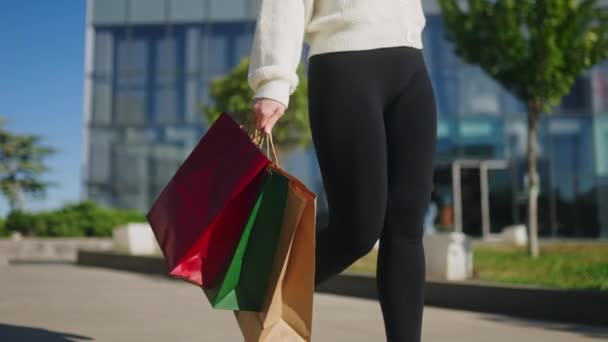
(515, 234)
(449, 256)
(135, 239)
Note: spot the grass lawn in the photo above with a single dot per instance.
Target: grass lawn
(561, 265)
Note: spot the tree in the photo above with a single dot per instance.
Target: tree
(21, 166)
(535, 49)
(231, 93)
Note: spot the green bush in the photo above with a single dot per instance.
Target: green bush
(74, 220)
(3, 231)
(61, 224)
(18, 221)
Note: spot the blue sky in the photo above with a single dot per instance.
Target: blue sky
(41, 85)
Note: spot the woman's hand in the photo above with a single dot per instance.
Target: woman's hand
(267, 112)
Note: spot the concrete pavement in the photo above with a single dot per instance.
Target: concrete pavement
(61, 303)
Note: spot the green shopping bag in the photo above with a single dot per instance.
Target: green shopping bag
(247, 276)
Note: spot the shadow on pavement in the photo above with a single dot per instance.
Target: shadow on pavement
(27, 334)
(581, 329)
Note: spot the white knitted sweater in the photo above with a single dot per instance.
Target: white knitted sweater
(327, 26)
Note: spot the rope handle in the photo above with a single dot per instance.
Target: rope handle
(258, 138)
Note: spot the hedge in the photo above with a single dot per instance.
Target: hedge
(75, 220)
(3, 231)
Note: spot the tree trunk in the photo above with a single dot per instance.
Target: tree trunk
(534, 110)
(18, 193)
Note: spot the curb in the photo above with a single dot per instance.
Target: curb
(123, 262)
(560, 305)
(572, 306)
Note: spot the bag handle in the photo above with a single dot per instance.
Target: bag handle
(270, 148)
(259, 138)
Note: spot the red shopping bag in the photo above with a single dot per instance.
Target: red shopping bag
(199, 216)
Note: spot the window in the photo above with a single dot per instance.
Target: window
(192, 50)
(599, 90)
(215, 55)
(165, 160)
(132, 79)
(103, 53)
(102, 102)
(243, 44)
(130, 177)
(132, 55)
(192, 101)
(100, 163)
(165, 96)
(166, 50)
(165, 104)
(99, 156)
(130, 106)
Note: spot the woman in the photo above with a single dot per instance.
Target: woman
(373, 122)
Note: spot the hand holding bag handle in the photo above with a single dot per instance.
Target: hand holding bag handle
(259, 137)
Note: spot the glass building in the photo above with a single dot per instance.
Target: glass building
(149, 64)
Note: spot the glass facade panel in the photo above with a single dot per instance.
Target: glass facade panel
(103, 56)
(192, 51)
(447, 139)
(601, 156)
(229, 10)
(599, 88)
(501, 199)
(132, 56)
(442, 65)
(131, 174)
(601, 144)
(215, 63)
(109, 11)
(130, 107)
(243, 44)
(166, 51)
(165, 160)
(481, 92)
(192, 100)
(187, 11)
(166, 105)
(100, 151)
(152, 11)
(102, 103)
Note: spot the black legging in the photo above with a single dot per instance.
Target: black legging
(373, 121)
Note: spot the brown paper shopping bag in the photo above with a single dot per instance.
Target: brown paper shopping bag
(287, 312)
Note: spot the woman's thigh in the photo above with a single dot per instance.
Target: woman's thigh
(349, 137)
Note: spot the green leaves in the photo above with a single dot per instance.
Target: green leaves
(21, 166)
(534, 48)
(231, 93)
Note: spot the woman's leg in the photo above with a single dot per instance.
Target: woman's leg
(373, 123)
(350, 142)
(411, 138)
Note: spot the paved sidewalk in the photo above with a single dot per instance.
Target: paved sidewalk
(61, 303)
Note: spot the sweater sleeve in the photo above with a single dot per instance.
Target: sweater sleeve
(277, 48)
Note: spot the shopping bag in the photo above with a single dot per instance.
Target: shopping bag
(199, 216)
(287, 311)
(245, 282)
